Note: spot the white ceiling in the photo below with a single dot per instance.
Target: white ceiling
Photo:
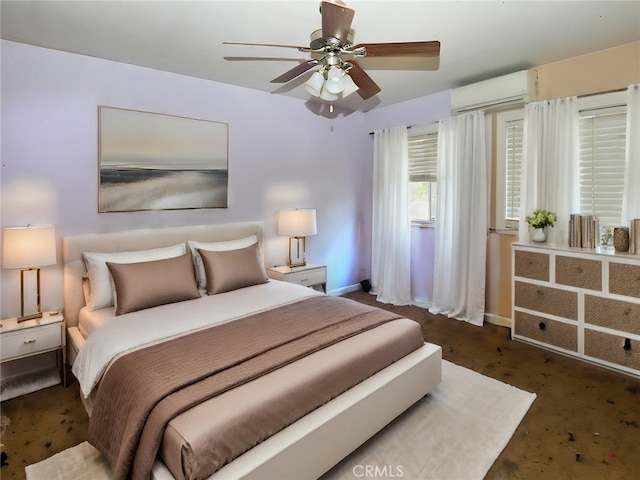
(479, 39)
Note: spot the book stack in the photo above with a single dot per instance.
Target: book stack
(575, 230)
(583, 231)
(634, 236)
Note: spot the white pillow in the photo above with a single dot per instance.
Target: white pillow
(201, 276)
(100, 278)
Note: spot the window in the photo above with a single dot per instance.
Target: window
(423, 155)
(602, 138)
(509, 137)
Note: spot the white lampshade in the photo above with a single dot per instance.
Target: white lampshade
(349, 86)
(335, 81)
(297, 223)
(327, 95)
(314, 84)
(28, 247)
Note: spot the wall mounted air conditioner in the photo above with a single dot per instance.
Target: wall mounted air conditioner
(514, 89)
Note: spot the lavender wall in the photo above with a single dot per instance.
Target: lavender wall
(282, 155)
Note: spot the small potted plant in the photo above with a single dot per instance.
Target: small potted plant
(539, 220)
(606, 238)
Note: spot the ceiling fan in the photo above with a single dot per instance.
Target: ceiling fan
(333, 51)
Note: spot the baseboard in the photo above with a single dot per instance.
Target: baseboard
(342, 290)
(497, 320)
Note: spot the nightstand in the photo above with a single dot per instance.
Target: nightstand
(309, 276)
(24, 340)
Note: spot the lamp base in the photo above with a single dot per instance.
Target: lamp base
(38, 314)
(297, 252)
(31, 316)
(296, 264)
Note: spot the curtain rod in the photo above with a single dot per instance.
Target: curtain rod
(410, 126)
(602, 93)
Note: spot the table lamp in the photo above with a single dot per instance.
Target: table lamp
(297, 225)
(29, 248)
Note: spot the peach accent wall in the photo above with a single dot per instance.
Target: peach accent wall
(498, 292)
(602, 71)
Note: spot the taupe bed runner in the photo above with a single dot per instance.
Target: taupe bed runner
(143, 390)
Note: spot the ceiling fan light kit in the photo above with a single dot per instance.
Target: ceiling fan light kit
(339, 77)
(330, 84)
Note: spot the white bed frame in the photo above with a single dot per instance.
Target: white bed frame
(316, 442)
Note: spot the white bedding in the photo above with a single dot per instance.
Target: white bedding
(120, 334)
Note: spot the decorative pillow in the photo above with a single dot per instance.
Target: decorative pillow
(98, 273)
(215, 247)
(232, 269)
(149, 284)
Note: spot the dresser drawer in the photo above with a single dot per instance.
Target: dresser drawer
(615, 314)
(611, 348)
(551, 332)
(624, 279)
(561, 303)
(308, 277)
(579, 272)
(30, 341)
(531, 265)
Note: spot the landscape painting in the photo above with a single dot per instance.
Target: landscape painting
(152, 161)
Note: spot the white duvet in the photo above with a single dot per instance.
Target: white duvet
(124, 333)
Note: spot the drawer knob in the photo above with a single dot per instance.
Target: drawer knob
(539, 292)
(579, 269)
(542, 326)
(627, 344)
(32, 340)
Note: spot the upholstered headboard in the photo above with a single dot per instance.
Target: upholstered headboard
(130, 240)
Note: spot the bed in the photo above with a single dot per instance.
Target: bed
(309, 443)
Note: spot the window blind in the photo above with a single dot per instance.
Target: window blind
(513, 147)
(602, 136)
(423, 157)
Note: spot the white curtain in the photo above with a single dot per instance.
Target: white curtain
(631, 197)
(391, 225)
(461, 219)
(550, 158)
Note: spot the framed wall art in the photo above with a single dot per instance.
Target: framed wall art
(153, 161)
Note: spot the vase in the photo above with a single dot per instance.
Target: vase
(539, 235)
(621, 239)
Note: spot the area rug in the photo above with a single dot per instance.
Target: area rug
(456, 432)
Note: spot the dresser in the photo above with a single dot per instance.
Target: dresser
(580, 302)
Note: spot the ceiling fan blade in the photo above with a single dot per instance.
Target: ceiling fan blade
(336, 20)
(367, 88)
(296, 71)
(303, 49)
(398, 49)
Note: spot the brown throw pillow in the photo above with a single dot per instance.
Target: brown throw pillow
(233, 269)
(149, 284)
